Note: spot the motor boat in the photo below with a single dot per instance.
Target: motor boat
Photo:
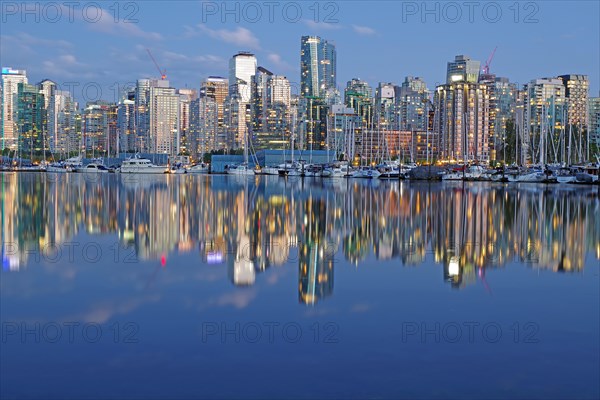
(389, 171)
(270, 171)
(59, 167)
(241, 169)
(137, 165)
(453, 176)
(93, 168)
(366, 173)
(565, 175)
(198, 169)
(336, 171)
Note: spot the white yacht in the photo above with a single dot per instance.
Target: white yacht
(532, 176)
(138, 165)
(93, 168)
(241, 169)
(198, 169)
(336, 171)
(366, 172)
(59, 167)
(453, 176)
(270, 171)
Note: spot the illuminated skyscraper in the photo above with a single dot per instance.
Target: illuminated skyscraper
(385, 106)
(317, 66)
(30, 120)
(462, 69)
(100, 127)
(413, 105)
(10, 79)
(242, 67)
(164, 120)
(126, 123)
(576, 92)
(209, 127)
(544, 114)
(185, 100)
(594, 112)
(359, 96)
(461, 122)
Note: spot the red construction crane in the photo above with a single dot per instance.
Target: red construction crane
(486, 67)
(163, 73)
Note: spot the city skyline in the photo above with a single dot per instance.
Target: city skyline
(359, 40)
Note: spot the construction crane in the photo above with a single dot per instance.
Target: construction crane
(163, 73)
(486, 67)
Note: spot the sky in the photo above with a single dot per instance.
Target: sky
(96, 51)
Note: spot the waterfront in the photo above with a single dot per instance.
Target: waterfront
(376, 276)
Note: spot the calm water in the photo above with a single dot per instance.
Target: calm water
(184, 287)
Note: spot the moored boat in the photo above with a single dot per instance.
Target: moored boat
(137, 165)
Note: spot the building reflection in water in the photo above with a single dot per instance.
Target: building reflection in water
(252, 224)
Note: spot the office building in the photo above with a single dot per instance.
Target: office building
(10, 79)
(317, 66)
(461, 123)
(30, 121)
(462, 69)
(576, 92)
(242, 68)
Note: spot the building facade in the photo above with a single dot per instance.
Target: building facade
(10, 79)
(318, 65)
(461, 123)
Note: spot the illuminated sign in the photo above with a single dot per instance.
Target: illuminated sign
(10, 71)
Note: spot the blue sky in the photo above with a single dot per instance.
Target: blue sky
(376, 41)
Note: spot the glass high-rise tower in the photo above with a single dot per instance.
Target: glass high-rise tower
(317, 66)
(242, 68)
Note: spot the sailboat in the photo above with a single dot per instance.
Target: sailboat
(243, 168)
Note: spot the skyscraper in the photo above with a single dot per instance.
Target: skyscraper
(385, 102)
(210, 133)
(359, 96)
(164, 120)
(63, 135)
(544, 115)
(242, 67)
(10, 79)
(317, 66)
(142, 121)
(185, 99)
(126, 124)
(462, 69)
(461, 122)
(260, 102)
(594, 128)
(576, 93)
(503, 101)
(30, 120)
(100, 127)
(413, 104)
(271, 96)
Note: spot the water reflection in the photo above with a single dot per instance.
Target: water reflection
(250, 225)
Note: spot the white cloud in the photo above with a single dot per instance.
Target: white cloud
(241, 37)
(363, 30)
(321, 26)
(278, 62)
(106, 24)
